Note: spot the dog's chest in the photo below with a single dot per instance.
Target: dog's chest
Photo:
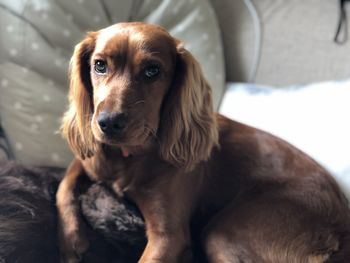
(105, 170)
(121, 173)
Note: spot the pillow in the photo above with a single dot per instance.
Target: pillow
(37, 40)
(314, 118)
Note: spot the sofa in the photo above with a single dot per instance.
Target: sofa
(273, 64)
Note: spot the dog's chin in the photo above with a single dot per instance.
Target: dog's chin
(120, 140)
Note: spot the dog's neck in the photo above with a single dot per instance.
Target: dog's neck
(117, 161)
(129, 151)
(126, 165)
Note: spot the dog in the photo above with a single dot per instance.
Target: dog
(141, 120)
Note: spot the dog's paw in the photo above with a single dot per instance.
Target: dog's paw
(73, 246)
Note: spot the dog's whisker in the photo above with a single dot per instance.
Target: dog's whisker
(135, 103)
(150, 130)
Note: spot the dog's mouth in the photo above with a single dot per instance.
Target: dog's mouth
(127, 148)
(133, 136)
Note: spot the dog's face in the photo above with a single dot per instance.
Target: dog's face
(131, 82)
(131, 70)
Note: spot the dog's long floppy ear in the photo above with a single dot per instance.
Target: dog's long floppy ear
(188, 129)
(76, 126)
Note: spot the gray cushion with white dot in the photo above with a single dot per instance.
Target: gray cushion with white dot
(37, 39)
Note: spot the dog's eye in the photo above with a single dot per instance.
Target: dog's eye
(100, 67)
(152, 71)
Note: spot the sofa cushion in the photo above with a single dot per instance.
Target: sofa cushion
(297, 41)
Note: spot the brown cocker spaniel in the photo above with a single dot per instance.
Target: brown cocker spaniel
(141, 119)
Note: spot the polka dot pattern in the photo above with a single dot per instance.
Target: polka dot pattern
(44, 16)
(10, 28)
(205, 36)
(97, 19)
(34, 46)
(212, 56)
(39, 118)
(34, 127)
(50, 83)
(4, 83)
(58, 62)
(13, 52)
(69, 17)
(200, 18)
(25, 70)
(175, 10)
(19, 146)
(18, 105)
(66, 33)
(47, 98)
(55, 157)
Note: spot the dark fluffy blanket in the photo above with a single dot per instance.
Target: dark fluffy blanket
(28, 219)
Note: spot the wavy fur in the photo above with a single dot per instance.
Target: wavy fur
(76, 122)
(188, 126)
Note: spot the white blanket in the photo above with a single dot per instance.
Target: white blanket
(314, 118)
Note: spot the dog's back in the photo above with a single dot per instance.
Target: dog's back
(279, 204)
(287, 208)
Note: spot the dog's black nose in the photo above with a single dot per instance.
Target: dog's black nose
(112, 122)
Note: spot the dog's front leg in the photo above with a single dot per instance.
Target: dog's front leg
(166, 248)
(167, 225)
(72, 240)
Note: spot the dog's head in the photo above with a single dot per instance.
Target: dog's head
(133, 83)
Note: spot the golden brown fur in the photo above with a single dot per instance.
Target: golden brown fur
(250, 196)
